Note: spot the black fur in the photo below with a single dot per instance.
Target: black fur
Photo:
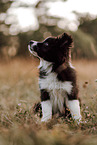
(56, 50)
(44, 95)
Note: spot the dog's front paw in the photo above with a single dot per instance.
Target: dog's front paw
(46, 110)
(74, 107)
(81, 122)
(78, 121)
(47, 118)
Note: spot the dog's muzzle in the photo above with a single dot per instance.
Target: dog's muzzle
(32, 46)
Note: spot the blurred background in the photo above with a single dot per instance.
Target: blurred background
(23, 20)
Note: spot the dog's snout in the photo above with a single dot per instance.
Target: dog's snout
(30, 43)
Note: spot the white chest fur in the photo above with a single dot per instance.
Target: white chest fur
(56, 88)
(57, 91)
(50, 82)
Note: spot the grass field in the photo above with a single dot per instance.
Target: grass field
(18, 93)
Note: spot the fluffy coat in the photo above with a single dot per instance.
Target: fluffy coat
(57, 77)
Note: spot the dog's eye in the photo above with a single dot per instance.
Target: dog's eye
(46, 44)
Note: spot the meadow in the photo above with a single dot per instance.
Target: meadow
(19, 91)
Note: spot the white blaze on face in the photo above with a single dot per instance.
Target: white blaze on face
(31, 49)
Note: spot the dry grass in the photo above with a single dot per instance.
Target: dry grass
(19, 91)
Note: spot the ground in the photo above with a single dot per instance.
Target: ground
(19, 92)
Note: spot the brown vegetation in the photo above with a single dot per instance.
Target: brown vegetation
(18, 93)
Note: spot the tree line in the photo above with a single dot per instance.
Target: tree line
(85, 44)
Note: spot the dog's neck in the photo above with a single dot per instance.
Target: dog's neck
(61, 67)
(45, 65)
(49, 66)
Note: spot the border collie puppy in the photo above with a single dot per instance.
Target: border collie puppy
(57, 79)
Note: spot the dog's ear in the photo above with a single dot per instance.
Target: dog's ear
(65, 41)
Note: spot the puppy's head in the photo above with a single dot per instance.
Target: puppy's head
(52, 49)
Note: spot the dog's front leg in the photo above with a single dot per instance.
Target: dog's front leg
(74, 107)
(46, 106)
(46, 110)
